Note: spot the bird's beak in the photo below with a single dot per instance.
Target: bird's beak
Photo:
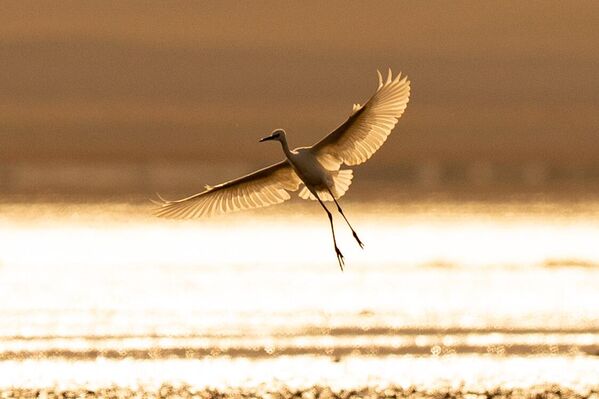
(263, 139)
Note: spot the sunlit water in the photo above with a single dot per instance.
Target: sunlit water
(444, 293)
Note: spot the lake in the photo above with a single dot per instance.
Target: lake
(447, 294)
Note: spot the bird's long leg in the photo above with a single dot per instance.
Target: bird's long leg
(360, 243)
(330, 215)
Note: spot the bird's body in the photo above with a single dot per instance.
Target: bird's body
(309, 170)
(317, 170)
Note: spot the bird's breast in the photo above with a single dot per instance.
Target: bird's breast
(312, 173)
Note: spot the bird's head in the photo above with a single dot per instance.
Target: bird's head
(277, 134)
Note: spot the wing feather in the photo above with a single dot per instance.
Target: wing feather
(267, 186)
(356, 140)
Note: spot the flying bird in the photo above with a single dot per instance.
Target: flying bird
(318, 172)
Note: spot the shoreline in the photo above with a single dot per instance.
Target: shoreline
(185, 391)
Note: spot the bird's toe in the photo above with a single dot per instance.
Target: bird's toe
(360, 243)
(340, 258)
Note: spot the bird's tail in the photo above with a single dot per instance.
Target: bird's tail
(341, 181)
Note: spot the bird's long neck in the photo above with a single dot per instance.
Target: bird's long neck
(285, 147)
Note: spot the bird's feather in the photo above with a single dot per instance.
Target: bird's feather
(341, 182)
(368, 127)
(267, 186)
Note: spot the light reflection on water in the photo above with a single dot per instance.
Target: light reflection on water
(80, 281)
(470, 373)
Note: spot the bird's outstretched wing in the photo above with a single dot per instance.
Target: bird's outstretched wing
(368, 126)
(264, 187)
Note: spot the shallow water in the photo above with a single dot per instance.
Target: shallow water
(503, 293)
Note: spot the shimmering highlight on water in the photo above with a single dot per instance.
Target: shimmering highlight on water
(495, 292)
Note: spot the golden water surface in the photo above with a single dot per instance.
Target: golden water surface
(445, 292)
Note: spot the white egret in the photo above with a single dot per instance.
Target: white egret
(316, 169)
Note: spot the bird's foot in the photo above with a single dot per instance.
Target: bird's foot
(360, 243)
(339, 258)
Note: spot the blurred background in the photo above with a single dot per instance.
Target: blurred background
(136, 97)
(480, 214)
